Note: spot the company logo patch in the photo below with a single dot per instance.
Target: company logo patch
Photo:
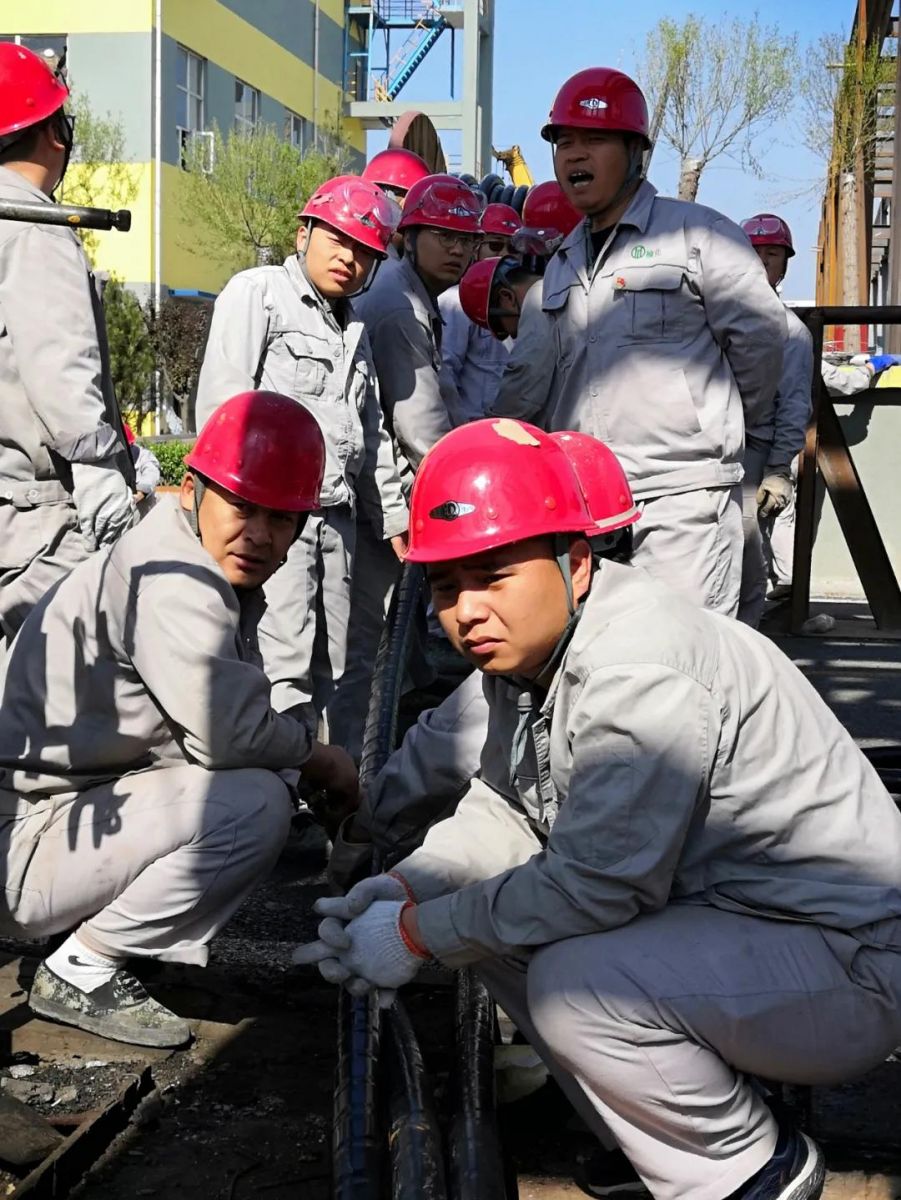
(450, 510)
(644, 252)
(594, 104)
(458, 210)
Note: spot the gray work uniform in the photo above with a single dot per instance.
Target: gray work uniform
(271, 330)
(688, 854)
(774, 447)
(404, 328)
(664, 347)
(66, 477)
(473, 361)
(139, 754)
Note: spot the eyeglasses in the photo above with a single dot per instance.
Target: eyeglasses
(448, 238)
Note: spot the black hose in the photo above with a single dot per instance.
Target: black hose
(417, 1171)
(38, 212)
(356, 1140)
(477, 1170)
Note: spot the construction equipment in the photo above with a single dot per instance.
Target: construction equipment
(516, 165)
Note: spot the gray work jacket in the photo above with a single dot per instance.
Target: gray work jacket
(404, 328)
(473, 361)
(271, 330)
(57, 401)
(144, 656)
(665, 345)
(678, 757)
(792, 413)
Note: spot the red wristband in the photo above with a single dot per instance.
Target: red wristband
(413, 946)
(411, 895)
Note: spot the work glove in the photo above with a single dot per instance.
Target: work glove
(879, 362)
(103, 503)
(361, 895)
(351, 856)
(775, 491)
(370, 952)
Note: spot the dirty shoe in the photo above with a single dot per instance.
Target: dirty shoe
(120, 1009)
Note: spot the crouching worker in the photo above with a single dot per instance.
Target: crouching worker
(675, 869)
(145, 780)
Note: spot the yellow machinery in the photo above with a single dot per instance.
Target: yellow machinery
(516, 165)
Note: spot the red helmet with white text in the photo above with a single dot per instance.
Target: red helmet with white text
(357, 208)
(265, 448)
(442, 202)
(488, 484)
(396, 170)
(766, 229)
(500, 220)
(547, 207)
(599, 98)
(603, 481)
(30, 90)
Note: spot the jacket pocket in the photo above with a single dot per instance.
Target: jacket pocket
(304, 360)
(653, 298)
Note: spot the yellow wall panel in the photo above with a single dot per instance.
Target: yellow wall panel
(76, 16)
(128, 255)
(182, 268)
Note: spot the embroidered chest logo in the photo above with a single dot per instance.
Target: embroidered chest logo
(640, 251)
(450, 510)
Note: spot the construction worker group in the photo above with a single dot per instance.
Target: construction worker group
(635, 819)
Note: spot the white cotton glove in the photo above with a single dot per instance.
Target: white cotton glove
(360, 896)
(103, 502)
(369, 952)
(775, 491)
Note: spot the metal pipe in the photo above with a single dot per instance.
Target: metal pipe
(417, 1169)
(74, 215)
(476, 1160)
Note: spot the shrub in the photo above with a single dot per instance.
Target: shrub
(171, 456)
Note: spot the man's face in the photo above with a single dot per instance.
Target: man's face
(442, 256)
(336, 264)
(775, 260)
(493, 245)
(591, 166)
(506, 609)
(248, 542)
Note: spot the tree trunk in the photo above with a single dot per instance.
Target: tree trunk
(689, 178)
(849, 239)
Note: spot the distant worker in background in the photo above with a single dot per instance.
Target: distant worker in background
(395, 172)
(147, 472)
(66, 477)
(292, 328)
(665, 337)
(473, 359)
(440, 228)
(772, 447)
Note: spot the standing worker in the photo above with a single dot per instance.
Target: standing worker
(292, 328)
(145, 780)
(473, 360)
(395, 171)
(440, 227)
(66, 477)
(665, 335)
(655, 873)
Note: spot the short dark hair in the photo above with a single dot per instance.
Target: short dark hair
(25, 144)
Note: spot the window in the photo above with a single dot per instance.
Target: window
(247, 107)
(190, 88)
(50, 46)
(298, 131)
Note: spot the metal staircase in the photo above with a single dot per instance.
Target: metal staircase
(375, 24)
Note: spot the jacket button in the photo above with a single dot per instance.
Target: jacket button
(31, 494)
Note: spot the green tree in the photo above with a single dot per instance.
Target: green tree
(716, 89)
(178, 335)
(130, 346)
(242, 193)
(98, 173)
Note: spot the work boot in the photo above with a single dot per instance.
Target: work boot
(609, 1173)
(120, 1009)
(797, 1171)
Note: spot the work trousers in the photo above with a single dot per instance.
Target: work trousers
(375, 576)
(692, 541)
(753, 564)
(150, 865)
(303, 633)
(38, 547)
(659, 1023)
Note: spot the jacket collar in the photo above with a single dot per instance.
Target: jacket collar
(12, 179)
(575, 253)
(418, 287)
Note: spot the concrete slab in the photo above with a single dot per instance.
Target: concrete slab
(851, 1185)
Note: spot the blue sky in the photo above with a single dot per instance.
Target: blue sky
(538, 43)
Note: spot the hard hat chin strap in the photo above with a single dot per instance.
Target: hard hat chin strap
(633, 177)
(561, 553)
(194, 514)
(302, 259)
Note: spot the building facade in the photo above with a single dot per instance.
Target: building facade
(171, 70)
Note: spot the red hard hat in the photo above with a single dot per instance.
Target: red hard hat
(356, 207)
(547, 207)
(129, 433)
(500, 220)
(476, 287)
(599, 98)
(488, 484)
(603, 481)
(766, 229)
(265, 448)
(29, 89)
(396, 169)
(442, 202)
